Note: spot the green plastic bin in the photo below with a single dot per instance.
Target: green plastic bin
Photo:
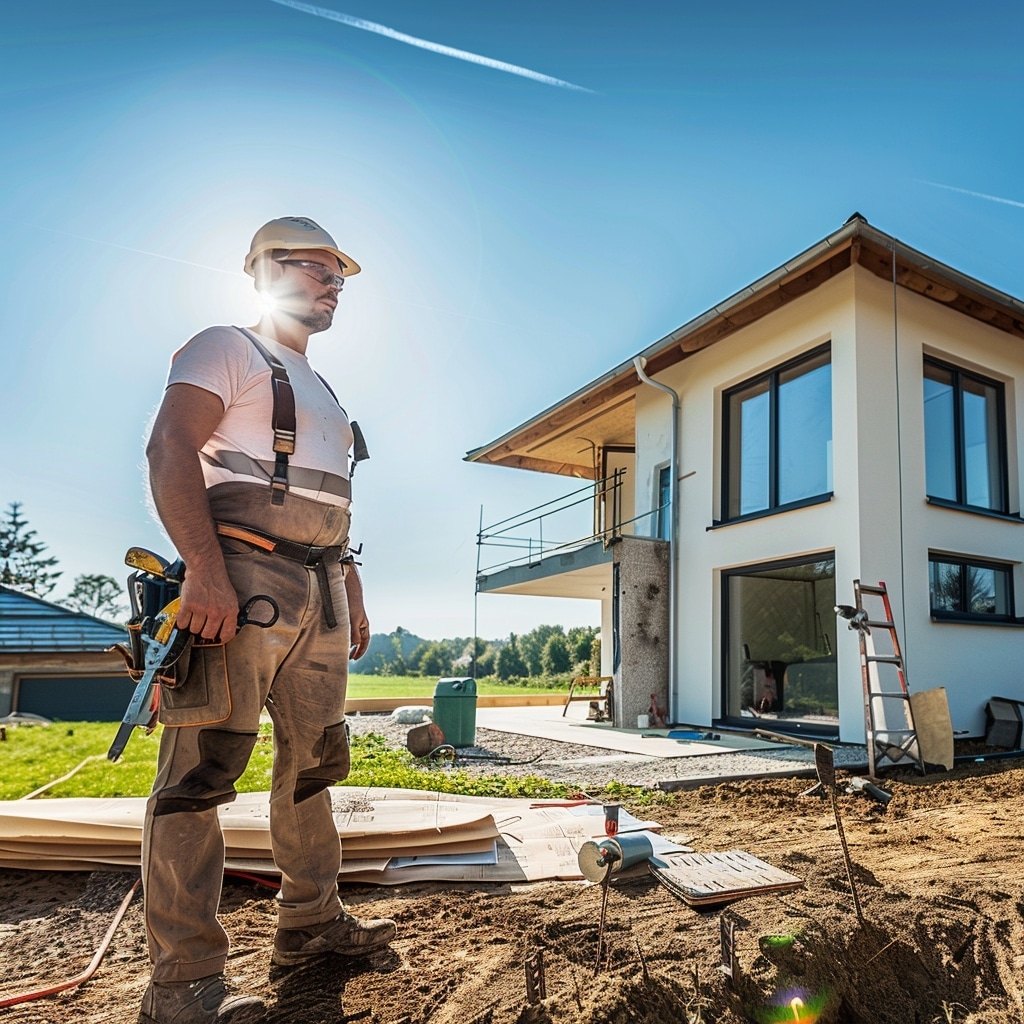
(455, 710)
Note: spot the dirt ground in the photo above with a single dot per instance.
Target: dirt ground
(939, 872)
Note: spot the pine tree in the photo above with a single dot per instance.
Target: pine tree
(22, 564)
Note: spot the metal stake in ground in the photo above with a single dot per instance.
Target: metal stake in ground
(727, 934)
(600, 931)
(825, 763)
(536, 987)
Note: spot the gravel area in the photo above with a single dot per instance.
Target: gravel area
(592, 768)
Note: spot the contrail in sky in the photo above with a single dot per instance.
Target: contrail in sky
(425, 44)
(979, 195)
(143, 252)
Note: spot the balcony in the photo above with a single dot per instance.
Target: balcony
(563, 548)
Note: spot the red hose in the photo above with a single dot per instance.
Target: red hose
(26, 997)
(258, 879)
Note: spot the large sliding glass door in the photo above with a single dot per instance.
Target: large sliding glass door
(780, 661)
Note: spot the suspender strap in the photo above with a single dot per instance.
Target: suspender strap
(312, 557)
(282, 421)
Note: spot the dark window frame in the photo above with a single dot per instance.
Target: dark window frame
(772, 377)
(961, 614)
(794, 726)
(960, 453)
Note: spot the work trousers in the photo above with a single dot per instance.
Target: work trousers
(298, 669)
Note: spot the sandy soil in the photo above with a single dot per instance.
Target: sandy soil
(940, 875)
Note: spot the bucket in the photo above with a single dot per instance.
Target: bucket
(643, 721)
(599, 860)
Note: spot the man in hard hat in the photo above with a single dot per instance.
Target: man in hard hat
(250, 474)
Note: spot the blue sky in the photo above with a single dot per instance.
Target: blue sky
(518, 238)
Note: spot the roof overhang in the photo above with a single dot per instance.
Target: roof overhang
(563, 438)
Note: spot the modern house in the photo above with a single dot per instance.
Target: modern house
(55, 662)
(855, 414)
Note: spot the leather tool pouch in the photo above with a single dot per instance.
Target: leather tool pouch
(198, 692)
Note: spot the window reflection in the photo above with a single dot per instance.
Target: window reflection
(964, 437)
(963, 588)
(779, 427)
(781, 661)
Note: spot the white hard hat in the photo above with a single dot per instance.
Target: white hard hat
(296, 233)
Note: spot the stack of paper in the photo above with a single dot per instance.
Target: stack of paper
(389, 836)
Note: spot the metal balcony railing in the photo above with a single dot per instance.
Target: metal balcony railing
(535, 534)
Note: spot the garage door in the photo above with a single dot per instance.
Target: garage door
(74, 698)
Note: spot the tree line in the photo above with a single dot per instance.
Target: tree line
(26, 566)
(546, 652)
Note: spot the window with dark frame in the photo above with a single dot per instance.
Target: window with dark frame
(778, 438)
(965, 438)
(962, 588)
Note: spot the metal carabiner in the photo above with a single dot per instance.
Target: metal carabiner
(245, 617)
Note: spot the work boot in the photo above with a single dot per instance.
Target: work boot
(345, 935)
(204, 1001)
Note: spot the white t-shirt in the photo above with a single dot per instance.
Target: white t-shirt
(222, 360)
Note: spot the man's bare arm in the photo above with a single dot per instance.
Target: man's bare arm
(359, 623)
(187, 418)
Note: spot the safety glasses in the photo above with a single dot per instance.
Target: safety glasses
(317, 271)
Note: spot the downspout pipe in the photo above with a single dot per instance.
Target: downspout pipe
(639, 363)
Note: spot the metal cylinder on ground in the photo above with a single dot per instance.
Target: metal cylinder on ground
(599, 860)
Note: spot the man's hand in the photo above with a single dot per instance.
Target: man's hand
(360, 636)
(209, 606)
(360, 624)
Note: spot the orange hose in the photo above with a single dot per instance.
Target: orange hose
(26, 997)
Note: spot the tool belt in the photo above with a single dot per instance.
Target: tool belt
(314, 557)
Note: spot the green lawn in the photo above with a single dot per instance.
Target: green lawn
(360, 687)
(32, 756)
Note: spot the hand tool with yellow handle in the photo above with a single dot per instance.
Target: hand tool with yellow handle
(163, 644)
(146, 561)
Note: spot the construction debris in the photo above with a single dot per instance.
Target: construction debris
(703, 879)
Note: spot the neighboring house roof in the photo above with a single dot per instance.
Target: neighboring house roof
(602, 411)
(29, 623)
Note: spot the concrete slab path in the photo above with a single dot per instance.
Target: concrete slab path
(548, 723)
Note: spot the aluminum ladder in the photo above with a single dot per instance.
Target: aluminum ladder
(889, 714)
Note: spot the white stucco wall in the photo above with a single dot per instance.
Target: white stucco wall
(878, 529)
(824, 315)
(973, 662)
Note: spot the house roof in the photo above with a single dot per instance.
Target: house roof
(29, 623)
(601, 413)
